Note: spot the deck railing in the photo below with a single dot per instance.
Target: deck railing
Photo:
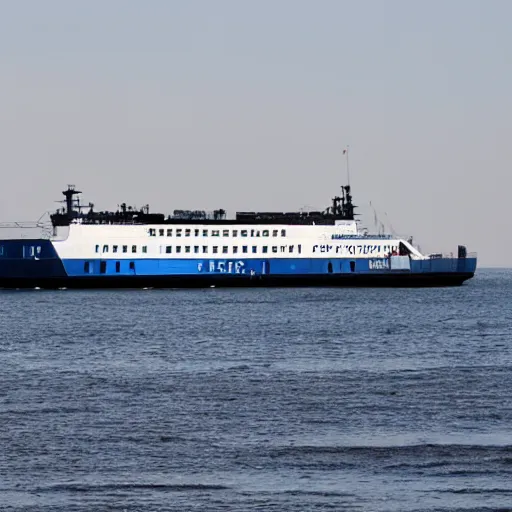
(449, 255)
(367, 236)
(11, 230)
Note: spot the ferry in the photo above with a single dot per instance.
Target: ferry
(136, 248)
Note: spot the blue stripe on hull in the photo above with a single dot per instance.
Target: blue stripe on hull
(284, 266)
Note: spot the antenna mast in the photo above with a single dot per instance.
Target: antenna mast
(345, 152)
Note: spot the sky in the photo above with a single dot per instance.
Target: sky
(248, 105)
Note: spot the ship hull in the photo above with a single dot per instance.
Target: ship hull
(37, 264)
(406, 280)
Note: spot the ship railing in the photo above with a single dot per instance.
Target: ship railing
(198, 215)
(369, 235)
(11, 230)
(385, 236)
(439, 255)
(19, 225)
(449, 255)
(105, 222)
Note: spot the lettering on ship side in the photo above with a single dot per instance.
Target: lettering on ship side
(352, 249)
(222, 266)
(380, 264)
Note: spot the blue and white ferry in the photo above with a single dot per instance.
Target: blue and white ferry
(131, 248)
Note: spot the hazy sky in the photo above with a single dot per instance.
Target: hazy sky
(248, 105)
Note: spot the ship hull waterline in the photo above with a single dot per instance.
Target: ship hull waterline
(390, 280)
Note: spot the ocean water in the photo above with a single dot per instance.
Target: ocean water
(271, 400)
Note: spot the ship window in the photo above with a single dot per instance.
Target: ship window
(144, 248)
(38, 250)
(97, 248)
(225, 249)
(265, 232)
(187, 248)
(254, 249)
(1, 250)
(205, 249)
(235, 249)
(125, 248)
(105, 248)
(225, 232)
(168, 249)
(352, 266)
(244, 249)
(161, 232)
(283, 248)
(205, 232)
(169, 232)
(178, 232)
(132, 265)
(290, 248)
(114, 248)
(299, 247)
(235, 232)
(274, 232)
(283, 232)
(118, 266)
(257, 233)
(196, 249)
(215, 249)
(265, 249)
(187, 232)
(215, 232)
(152, 232)
(32, 250)
(252, 232)
(103, 267)
(87, 267)
(134, 248)
(274, 248)
(178, 248)
(243, 232)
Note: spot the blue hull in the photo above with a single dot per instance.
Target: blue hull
(354, 280)
(22, 268)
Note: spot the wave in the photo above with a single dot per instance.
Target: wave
(84, 488)
(474, 491)
(443, 460)
(410, 449)
(299, 492)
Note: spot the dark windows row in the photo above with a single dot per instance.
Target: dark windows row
(216, 232)
(196, 249)
(121, 248)
(244, 249)
(29, 251)
(88, 267)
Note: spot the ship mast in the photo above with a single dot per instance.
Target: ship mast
(68, 194)
(345, 152)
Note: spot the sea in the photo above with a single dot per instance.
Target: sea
(258, 399)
